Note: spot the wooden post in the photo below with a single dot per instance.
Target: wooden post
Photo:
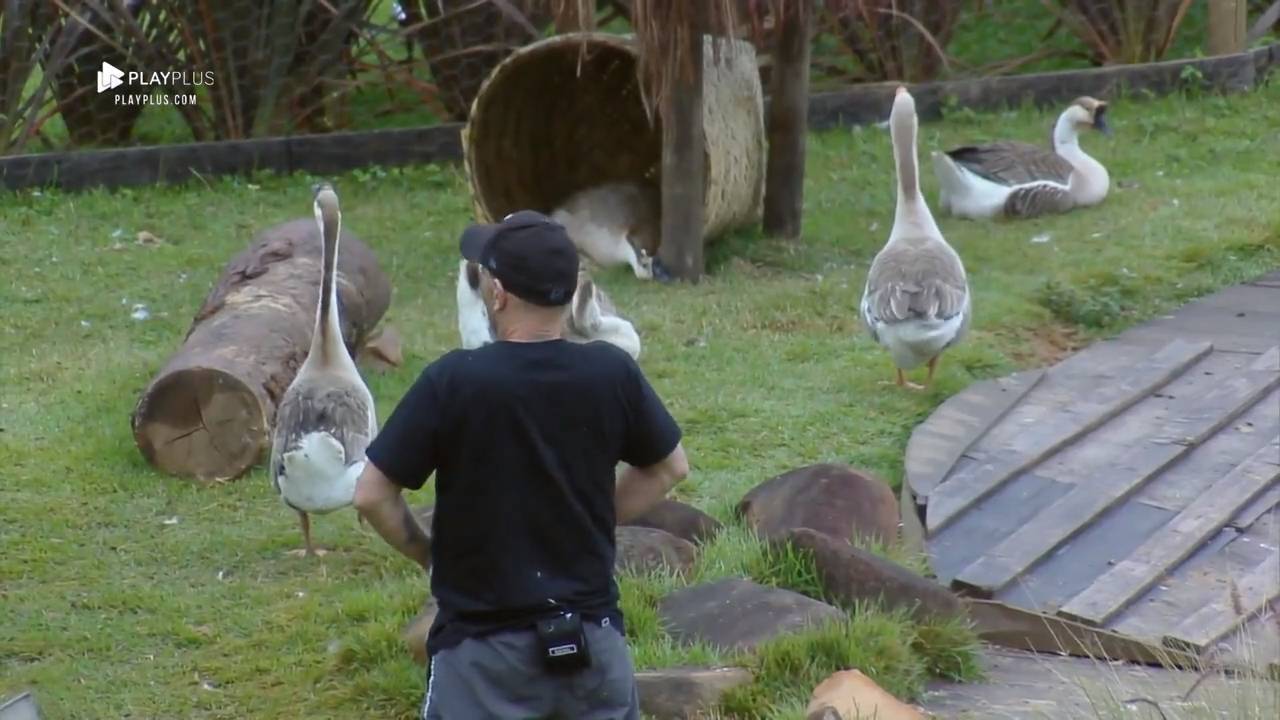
(788, 121)
(684, 164)
(1227, 23)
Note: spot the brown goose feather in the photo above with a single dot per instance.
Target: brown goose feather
(1010, 162)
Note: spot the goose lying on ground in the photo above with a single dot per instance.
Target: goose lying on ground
(326, 417)
(616, 223)
(592, 314)
(916, 300)
(1019, 180)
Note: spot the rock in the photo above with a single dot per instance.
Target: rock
(832, 499)
(849, 574)
(679, 693)
(852, 695)
(683, 521)
(415, 632)
(641, 549)
(739, 614)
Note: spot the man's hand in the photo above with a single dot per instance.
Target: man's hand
(379, 501)
(639, 489)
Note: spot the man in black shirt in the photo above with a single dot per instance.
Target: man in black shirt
(524, 435)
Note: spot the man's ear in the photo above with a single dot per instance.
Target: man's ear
(499, 294)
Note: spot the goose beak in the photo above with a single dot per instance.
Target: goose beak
(1100, 124)
(660, 272)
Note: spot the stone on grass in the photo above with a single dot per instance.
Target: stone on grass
(850, 695)
(739, 614)
(642, 549)
(680, 693)
(830, 498)
(415, 631)
(850, 574)
(682, 520)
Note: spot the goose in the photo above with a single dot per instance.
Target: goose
(616, 223)
(592, 315)
(326, 417)
(916, 299)
(1020, 180)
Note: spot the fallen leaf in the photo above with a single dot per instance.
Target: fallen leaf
(146, 238)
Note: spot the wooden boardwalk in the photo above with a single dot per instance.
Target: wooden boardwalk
(1132, 487)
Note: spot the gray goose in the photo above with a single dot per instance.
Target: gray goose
(916, 299)
(616, 223)
(1019, 180)
(326, 417)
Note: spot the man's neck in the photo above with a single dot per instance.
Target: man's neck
(529, 333)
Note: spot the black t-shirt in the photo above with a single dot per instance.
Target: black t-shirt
(524, 440)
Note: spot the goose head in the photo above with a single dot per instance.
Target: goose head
(1090, 113)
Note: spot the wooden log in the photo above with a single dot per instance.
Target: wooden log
(207, 414)
(684, 167)
(788, 121)
(1227, 23)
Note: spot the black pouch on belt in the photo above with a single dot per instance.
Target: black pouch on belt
(563, 643)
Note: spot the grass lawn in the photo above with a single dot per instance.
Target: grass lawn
(124, 593)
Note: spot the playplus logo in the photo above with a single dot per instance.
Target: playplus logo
(111, 77)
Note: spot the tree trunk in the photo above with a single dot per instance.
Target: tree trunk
(788, 122)
(684, 166)
(208, 413)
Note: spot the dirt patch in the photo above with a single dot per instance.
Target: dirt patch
(1046, 344)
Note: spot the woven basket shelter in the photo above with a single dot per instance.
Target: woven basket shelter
(565, 113)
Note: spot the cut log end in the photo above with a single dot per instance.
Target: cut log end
(201, 422)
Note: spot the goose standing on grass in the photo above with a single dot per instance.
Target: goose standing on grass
(1019, 180)
(326, 417)
(616, 223)
(916, 300)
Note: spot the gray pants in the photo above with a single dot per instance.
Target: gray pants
(501, 677)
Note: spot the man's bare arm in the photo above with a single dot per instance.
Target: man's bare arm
(639, 489)
(379, 501)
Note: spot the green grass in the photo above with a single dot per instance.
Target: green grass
(126, 593)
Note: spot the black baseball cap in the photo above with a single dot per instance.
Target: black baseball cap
(530, 253)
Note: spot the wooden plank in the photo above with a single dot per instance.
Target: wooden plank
(178, 163)
(684, 166)
(938, 442)
(1011, 507)
(1252, 592)
(1176, 541)
(1265, 503)
(1254, 647)
(1181, 484)
(1227, 26)
(954, 496)
(343, 151)
(867, 102)
(1057, 524)
(1022, 629)
(788, 121)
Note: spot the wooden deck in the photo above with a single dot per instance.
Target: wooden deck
(1133, 487)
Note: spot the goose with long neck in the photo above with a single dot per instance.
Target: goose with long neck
(916, 299)
(1019, 180)
(326, 417)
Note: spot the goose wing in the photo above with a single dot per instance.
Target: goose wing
(1038, 198)
(343, 411)
(1010, 162)
(908, 282)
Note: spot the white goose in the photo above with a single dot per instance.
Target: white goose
(592, 315)
(326, 417)
(916, 300)
(616, 223)
(1019, 180)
